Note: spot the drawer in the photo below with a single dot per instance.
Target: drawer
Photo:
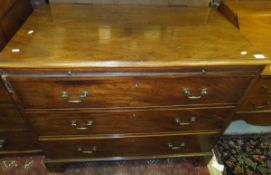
(4, 97)
(128, 147)
(80, 123)
(261, 87)
(256, 118)
(110, 92)
(256, 103)
(17, 142)
(10, 119)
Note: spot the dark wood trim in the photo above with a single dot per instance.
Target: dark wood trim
(105, 136)
(128, 158)
(20, 152)
(158, 108)
(254, 112)
(200, 70)
(145, 108)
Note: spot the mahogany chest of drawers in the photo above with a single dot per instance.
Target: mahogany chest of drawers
(109, 88)
(255, 106)
(13, 13)
(254, 22)
(15, 137)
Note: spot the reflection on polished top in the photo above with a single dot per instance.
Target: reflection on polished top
(128, 36)
(255, 23)
(256, 7)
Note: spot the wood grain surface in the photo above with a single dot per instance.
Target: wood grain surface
(127, 36)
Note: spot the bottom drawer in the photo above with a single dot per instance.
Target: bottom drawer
(256, 103)
(128, 147)
(18, 142)
(259, 118)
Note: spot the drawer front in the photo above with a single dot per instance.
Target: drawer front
(128, 147)
(10, 119)
(261, 87)
(103, 92)
(259, 118)
(20, 141)
(72, 123)
(4, 97)
(256, 103)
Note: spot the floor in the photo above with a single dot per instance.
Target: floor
(34, 166)
(241, 127)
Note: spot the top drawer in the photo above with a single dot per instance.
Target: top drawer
(127, 91)
(4, 97)
(261, 87)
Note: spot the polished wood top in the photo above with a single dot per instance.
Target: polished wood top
(248, 7)
(255, 23)
(127, 36)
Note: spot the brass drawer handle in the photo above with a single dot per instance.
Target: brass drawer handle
(267, 103)
(180, 123)
(266, 89)
(2, 142)
(91, 151)
(187, 93)
(82, 96)
(77, 126)
(177, 146)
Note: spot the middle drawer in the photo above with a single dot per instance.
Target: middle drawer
(80, 123)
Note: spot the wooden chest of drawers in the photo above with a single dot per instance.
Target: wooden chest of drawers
(10, 119)
(15, 137)
(109, 88)
(256, 105)
(13, 13)
(254, 18)
(128, 115)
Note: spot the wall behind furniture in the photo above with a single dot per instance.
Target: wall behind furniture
(36, 3)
